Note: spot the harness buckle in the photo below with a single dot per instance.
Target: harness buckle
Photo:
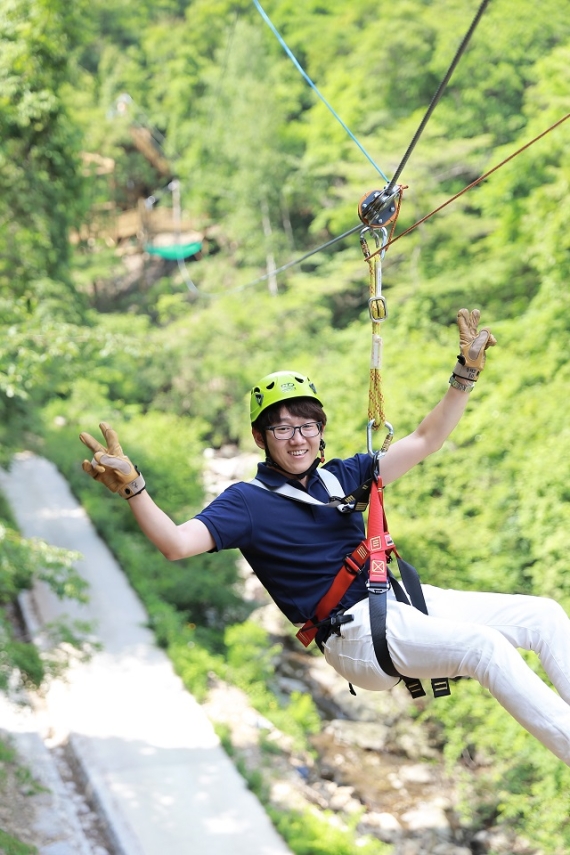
(337, 620)
(440, 687)
(378, 579)
(352, 566)
(375, 588)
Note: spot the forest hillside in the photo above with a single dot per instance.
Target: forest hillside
(160, 160)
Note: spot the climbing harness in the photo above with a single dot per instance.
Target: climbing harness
(381, 549)
(376, 549)
(355, 501)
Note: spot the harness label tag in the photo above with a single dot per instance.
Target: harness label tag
(377, 570)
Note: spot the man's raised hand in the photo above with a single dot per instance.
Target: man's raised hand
(472, 345)
(110, 465)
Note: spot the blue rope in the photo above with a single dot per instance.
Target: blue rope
(312, 85)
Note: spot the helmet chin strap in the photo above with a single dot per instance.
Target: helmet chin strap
(296, 475)
(270, 462)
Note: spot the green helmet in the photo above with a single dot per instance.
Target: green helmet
(280, 386)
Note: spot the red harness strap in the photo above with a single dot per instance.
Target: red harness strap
(380, 544)
(379, 548)
(350, 569)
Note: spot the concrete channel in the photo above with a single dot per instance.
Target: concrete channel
(141, 746)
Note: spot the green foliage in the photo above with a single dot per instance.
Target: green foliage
(250, 665)
(519, 782)
(194, 663)
(11, 846)
(40, 186)
(318, 834)
(40, 196)
(23, 561)
(268, 173)
(9, 765)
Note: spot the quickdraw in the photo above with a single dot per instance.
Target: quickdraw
(378, 311)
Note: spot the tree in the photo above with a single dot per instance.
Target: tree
(39, 175)
(40, 193)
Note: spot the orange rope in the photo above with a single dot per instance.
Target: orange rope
(469, 186)
(375, 396)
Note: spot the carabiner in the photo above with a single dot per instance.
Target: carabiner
(377, 308)
(385, 444)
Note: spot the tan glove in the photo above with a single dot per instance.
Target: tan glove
(472, 345)
(110, 466)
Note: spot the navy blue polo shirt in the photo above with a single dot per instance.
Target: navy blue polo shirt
(295, 549)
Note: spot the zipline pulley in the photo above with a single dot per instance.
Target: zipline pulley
(377, 208)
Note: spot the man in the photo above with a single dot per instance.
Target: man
(295, 539)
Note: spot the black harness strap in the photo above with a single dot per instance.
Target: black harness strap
(380, 580)
(411, 580)
(378, 548)
(412, 584)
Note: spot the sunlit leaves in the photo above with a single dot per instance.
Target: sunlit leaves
(38, 181)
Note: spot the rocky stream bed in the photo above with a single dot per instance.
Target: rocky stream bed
(371, 758)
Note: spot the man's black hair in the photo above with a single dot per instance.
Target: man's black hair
(305, 408)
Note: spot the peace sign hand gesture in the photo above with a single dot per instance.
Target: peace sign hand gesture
(472, 345)
(110, 465)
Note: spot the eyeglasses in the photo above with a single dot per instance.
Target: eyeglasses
(288, 431)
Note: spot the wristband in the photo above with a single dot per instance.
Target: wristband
(463, 387)
(465, 371)
(133, 488)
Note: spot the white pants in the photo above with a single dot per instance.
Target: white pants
(471, 634)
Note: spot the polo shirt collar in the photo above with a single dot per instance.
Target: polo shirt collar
(272, 478)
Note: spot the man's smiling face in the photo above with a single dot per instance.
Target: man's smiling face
(295, 455)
